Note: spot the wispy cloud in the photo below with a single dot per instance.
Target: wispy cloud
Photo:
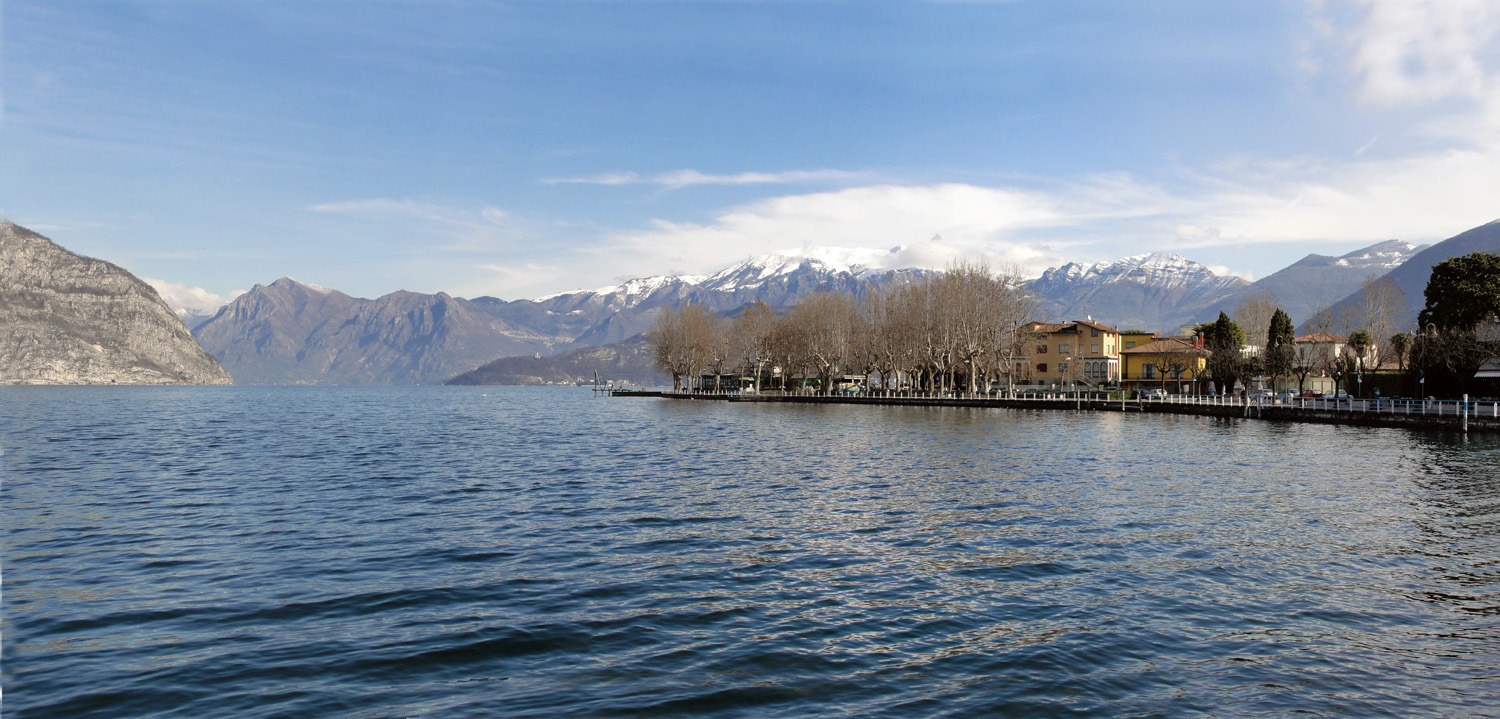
(688, 178)
(609, 178)
(458, 229)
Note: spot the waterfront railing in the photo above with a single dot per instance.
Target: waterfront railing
(1393, 406)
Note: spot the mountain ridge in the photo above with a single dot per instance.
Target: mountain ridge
(70, 319)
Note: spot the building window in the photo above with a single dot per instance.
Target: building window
(1148, 371)
(1093, 349)
(1129, 344)
(1041, 349)
(1093, 332)
(1063, 349)
(1041, 367)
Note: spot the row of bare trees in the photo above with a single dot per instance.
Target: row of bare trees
(960, 329)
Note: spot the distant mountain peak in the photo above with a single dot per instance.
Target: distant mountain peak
(1156, 289)
(1386, 255)
(290, 283)
(753, 272)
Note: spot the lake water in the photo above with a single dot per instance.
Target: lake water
(537, 552)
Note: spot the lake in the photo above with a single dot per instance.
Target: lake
(539, 552)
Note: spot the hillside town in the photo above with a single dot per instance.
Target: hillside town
(970, 330)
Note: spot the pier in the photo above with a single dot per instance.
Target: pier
(1449, 415)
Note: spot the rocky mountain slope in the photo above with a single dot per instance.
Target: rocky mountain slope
(69, 319)
(294, 333)
(1152, 291)
(1319, 280)
(1411, 275)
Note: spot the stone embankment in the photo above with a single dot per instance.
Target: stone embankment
(1412, 414)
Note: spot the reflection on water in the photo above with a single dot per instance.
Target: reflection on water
(463, 551)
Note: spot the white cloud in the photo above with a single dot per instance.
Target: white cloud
(609, 178)
(181, 297)
(969, 218)
(1418, 51)
(688, 178)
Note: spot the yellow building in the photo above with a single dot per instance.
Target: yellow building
(1082, 353)
(1173, 364)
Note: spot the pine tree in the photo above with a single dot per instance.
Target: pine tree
(1280, 346)
(1224, 339)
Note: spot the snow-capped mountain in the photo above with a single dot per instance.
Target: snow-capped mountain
(750, 274)
(1319, 280)
(779, 279)
(1383, 256)
(1151, 291)
(1412, 275)
(826, 261)
(420, 337)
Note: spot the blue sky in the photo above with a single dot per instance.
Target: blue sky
(515, 149)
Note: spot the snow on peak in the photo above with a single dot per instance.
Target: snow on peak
(830, 260)
(1383, 255)
(291, 282)
(1161, 269)
(643, 286)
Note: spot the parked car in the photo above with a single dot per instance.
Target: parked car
(1311, 394)
(1262, 394)
(1157, 393)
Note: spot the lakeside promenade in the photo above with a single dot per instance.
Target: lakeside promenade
(1445, 415)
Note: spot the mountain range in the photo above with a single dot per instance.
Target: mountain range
(289, 332)
(1145, 291)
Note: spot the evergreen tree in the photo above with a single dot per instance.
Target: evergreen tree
(1280, 346)
(1224, 339)
(1462, 292)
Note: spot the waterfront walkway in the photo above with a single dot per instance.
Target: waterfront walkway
(1416, 414)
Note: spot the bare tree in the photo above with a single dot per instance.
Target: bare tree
(1253, 315)
(870, 347)
(1342, 364)
(1012, 308)
(751, 332)
(966, 296)
(679, 341)
(718, 347)
(1306, 358)
(1384, 305)
(784, 345)
(825, 322)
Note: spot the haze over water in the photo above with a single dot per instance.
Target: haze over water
(463, 551)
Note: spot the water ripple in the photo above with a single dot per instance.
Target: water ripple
(373, 552)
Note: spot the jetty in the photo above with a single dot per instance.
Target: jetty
(1450, 415)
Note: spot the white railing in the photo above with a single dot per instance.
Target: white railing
(1434, 407)
(1450, 408)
